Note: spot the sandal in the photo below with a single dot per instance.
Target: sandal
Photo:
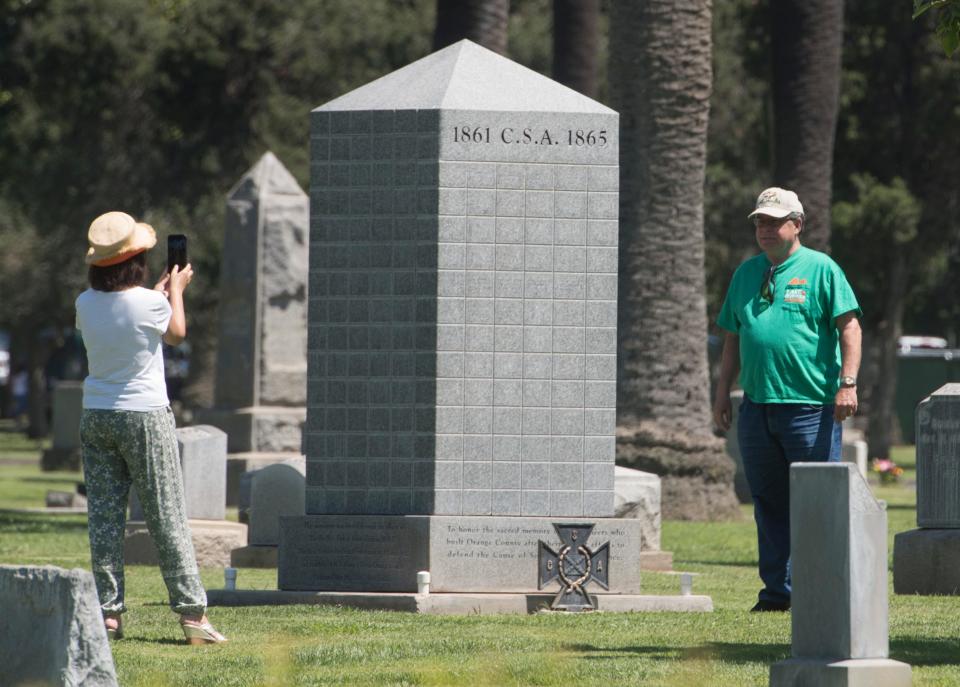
(200, 631)
(114, 626)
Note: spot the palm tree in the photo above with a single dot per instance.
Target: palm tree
(807, 36)
(660, 81)
(575, 42)
(482, 21)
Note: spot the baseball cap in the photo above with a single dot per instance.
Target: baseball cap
(777, 202)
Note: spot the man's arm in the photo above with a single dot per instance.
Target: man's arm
(848, 325)
(729, 369)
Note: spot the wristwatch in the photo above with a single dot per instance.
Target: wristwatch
(848, 382)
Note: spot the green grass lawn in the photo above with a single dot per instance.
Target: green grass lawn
(311, 645)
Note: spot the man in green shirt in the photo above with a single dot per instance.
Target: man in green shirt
(793, 335)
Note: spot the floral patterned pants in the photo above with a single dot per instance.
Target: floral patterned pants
(123, 448)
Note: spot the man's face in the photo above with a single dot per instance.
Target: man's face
(776, 234)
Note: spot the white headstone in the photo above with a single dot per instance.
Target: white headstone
(838, 549)
(637, 495)
(856, 452)
(203, 460)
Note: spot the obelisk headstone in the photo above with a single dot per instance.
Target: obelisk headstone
(261, 387)
(838, 551)
(927, 560)
(462, 331)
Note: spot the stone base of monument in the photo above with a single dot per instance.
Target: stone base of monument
(656, 561)
(61, 459)
(927, 561)
(262, 556)
(457, 604)
(213, 540)
(853, 672)
(239, 463)
(464, 554)
(266, 557)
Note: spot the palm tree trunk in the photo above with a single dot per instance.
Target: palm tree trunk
(482, 21)
(575, 44)
(660, 79)
(807, 37)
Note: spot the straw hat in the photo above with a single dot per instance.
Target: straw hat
(115, 237)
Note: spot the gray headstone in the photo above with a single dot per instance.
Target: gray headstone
(52, 631)
(927, 560)
(463, 294)
(839, 555)
(67, 408)
(65, 454)
(637, 496)
(938, 458)
(261, 359)
(275, 490)
(203, 459)
(261, 382)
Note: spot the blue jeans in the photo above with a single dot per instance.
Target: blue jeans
(772, 436)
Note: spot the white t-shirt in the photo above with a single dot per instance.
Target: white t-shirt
(122, 332)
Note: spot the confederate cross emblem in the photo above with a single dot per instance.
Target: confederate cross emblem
(575, 566)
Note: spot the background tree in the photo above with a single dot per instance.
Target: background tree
(889, 215)
(806, 46)
(660, 81)
(158, 108)
(948, 21)
(482, 21)
(891, 148)
(576, 43)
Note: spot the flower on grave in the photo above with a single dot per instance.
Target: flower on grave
(888, 471)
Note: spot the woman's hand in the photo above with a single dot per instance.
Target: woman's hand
(178, 279)
(163, 285)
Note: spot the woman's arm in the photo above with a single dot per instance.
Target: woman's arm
(173, 285)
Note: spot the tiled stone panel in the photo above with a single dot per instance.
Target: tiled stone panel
(462, 348)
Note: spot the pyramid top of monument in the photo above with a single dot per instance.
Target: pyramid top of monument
(268, 175)
(466, 76)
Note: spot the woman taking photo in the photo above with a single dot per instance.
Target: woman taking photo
(127, 427)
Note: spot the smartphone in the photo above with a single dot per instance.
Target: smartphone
(176, 251)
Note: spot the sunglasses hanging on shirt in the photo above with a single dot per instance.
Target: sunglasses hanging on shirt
(767, 287)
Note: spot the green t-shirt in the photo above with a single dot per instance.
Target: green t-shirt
(790, 349)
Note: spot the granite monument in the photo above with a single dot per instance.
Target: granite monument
(462, 331)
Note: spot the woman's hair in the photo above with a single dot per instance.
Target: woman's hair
(121, 276)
